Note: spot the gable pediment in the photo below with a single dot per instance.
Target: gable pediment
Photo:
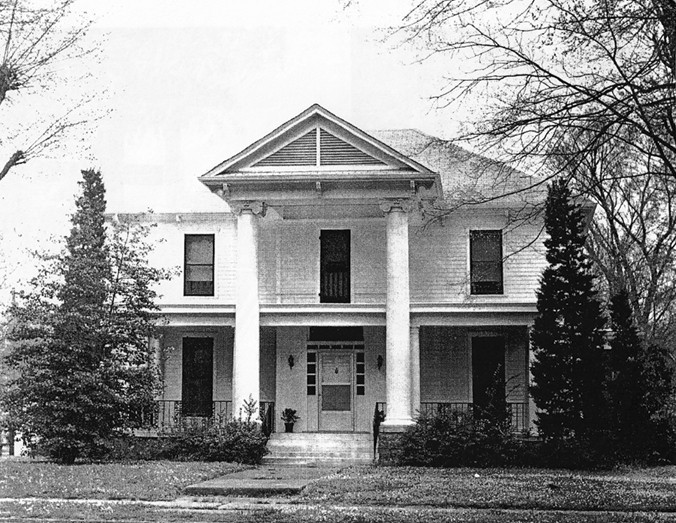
(318, 155)
(316, 140)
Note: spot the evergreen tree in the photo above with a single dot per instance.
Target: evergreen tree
(80, 336)
(567, 336)
(629, 420)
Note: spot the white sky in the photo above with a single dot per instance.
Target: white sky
(190, 83)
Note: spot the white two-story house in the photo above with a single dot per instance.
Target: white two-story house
(324, 286)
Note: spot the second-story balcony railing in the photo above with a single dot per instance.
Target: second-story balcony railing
(335, 287)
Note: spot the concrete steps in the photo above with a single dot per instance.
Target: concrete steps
(317, 449)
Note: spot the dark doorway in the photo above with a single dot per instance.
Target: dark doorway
(488, 376)
(334, 266)
(197, 388)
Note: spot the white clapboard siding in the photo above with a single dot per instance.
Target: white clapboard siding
(289, 260)
(168, 241)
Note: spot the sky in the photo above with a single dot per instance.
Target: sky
(186, 84)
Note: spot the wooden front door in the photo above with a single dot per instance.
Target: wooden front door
(488, 374)
(334, 271)
(198, 381)
(336, 391)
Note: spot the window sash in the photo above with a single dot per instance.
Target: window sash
(486, 274)
(199, 265)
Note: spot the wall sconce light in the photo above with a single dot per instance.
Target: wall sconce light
(291, 361)
(379, 361)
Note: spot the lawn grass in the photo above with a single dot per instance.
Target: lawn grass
(105, 512)
(629, 490)
(378, 493)
(149, 480)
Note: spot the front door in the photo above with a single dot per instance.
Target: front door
(336, 394)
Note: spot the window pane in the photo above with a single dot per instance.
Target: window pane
(486, 262)
(486, 245)
(199, 249)
(199, 273)
(486, 271)
(336, 397)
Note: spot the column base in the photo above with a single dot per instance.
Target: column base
(396, 425)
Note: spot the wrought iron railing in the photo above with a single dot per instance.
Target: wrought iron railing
(171, 416)
(378, 418)
(517, 412)
(335, 287)
(267, 413)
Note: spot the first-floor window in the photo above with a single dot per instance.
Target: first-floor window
(485, 254)
(199, 265)
(198, 381)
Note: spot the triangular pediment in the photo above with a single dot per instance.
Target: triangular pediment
(316, 140)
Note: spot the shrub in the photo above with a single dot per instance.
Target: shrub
(233, 440)
(456, 439)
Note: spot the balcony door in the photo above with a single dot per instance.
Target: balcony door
(334, 269)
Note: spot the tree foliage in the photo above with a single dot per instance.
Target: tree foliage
(551, 68)
(639, 386)
(632, 239)
(40, 42)
(567, 336)
(80, 336)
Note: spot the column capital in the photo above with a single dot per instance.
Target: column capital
(253, 207)
(397, 205)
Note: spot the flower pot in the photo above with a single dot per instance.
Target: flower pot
(288, 427)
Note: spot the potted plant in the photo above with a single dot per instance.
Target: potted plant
(289, 418)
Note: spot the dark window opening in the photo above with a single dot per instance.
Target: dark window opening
(336, 333)
(197, 384)
(334, 266)
(199, 265)
(485, 249)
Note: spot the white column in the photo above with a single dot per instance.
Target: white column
(398, 371)
(415, 369)
(246, 353)
(532, 410)
(155, 346)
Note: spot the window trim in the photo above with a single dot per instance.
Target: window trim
(501, 290)
(212, 264)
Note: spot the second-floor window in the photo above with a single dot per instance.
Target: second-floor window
(485, 254)
(199, 265)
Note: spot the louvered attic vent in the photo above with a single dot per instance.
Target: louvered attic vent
(302, 151)
(332, 151)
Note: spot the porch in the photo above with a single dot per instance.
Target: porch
(334, 377)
